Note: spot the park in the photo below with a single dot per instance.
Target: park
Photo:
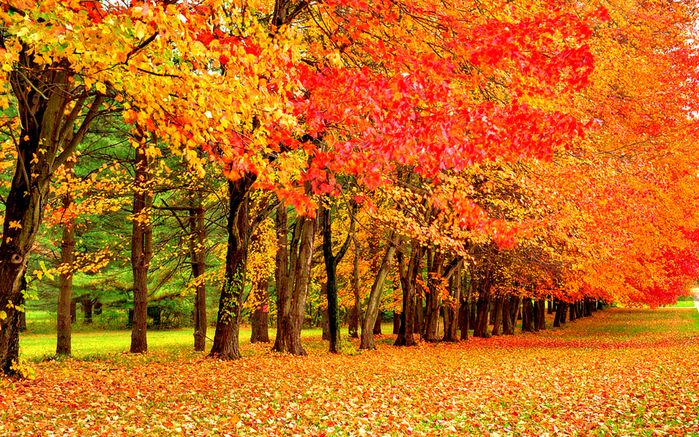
(366, 217)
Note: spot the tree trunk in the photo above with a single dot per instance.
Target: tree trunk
(260, 317)
(465, 310)
(371, 318)
(572, 308)
(408, 278)
(453, 311)
(472, 312)
(331, 262)
(141, 250)
(540, 314)
(227, 335)
(557, 317)
(377, 325)
(564, 311)
(483, 305)
(396, 323)
(499, 304)
(87, 310)
(292, 294)
(434, 301)
(45, 119)
(507, 327)
(419, 314)
(65, 281)
(527, 315)
(197, 258)
(515, 303)
(324, 319)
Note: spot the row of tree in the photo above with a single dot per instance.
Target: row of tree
(500, 150)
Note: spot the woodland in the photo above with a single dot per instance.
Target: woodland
(455, 170)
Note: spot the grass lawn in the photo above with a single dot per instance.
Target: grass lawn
(620, 372)
(94, 344)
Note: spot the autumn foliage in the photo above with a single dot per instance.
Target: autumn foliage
(487, 155)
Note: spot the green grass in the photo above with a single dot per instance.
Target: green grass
(88, 345)
(683, 304)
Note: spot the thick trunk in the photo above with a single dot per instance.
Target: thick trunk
(141, 251)
(540, 315)
(45, 121)
(564, 312)
(527, 315)
(483, 306)
(260, 317)
(197, 258)
(572, 308)
(396, 323)
(324, 319)
(226, 338)
(293, 298)
(499, 305)
(557, 316)
(65, 281)
(551, 306)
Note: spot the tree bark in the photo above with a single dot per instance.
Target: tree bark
(527, 315)
(408, 277)
(141, 251)
(227, 335)
(260, 317)
(540, 314)
(507, 327)
(465, 310)
(483, 305)
(356, 318)
(434, 301)
(372, 312)
(564, 311)
(292, 295)
(515, 302)
(45, 120)
(65, 281)
(557, 316)
(499, 305)
(331, 262)
(453, 311)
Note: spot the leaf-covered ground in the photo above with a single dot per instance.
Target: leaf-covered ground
(620, 372)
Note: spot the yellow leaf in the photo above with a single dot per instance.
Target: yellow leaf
(14, 224)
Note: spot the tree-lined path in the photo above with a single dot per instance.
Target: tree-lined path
(620, 372)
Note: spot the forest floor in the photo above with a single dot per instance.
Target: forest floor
(619, 372)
